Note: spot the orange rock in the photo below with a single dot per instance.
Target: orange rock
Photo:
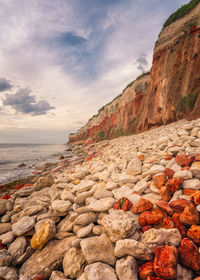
(141, 157)
(189, 255)
(123, 204)
(150, 218)
(183, 160)
(182, 229)
(179, 205)
(142, 205)
(154, 278)
(169, 172)
(145, 228)
(197, 157)
(196, 198)
(186, 168)
(165, 207)
(168, 223)
(165, 262)
(189, 192)
(198, 278)
(190, 216)
(158, 212)
(146, 270)
(159, 180)
(165, 194)
(194, 234)
(174, 184)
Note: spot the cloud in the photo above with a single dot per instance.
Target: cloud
(70, 39)
(4, 84)
(25, 103)
(142, 62)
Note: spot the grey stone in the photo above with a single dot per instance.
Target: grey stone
(98, 271)
(23, 225)
(8, 273)
(17, 248)
(86, 218)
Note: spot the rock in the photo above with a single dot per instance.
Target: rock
(155, 237)
(183, 273)
(174, 184)
(150, 218)
(98, 271)
(179, 205)
(85, 231)
(195, 169)
(146, 270)
(122, 192)
(97, 230)
(17, 248)
(8, 273)
(133, 248)
(169, 172)
(67, 195)
(164, 206)
(103, 204)
(111, 185)
(5, 258)
(185, 174)
(23, 225)
(193, 184)
(51, 255)
(168, 223)
(123, 204)
(118, 225)
(125, 179)
(155, 169)
(196, 197)
(134, 167)
(41, 237)
(5, 227)
(140, 187)
(86, 219)
(189, 255)
(194, 234)
(102, 193)
(165, 262)
(165, 194)
(73, 263)
(65, 224)
(84, 186)
(7, 237)
(190, 216)
(29, 211)
(44, 182)
(76, 242)
(25, 191)
(183, 160)
(2, 206)
(57, 275)
(159, 180)
(97, 249)
(82, 196)
(126, 268)
(142, 205)
(61, 206)
(27, 254)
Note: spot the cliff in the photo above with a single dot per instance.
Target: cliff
(169, 93)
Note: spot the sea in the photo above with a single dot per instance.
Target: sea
(20, 160)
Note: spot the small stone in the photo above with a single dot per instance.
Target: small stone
(179, 205)
(123, 204)
(126, 268)
(195, 169)
(164, 206)
(183, 160)
(165, 262)
(98, 271)
(168, 223)
(2, 206)
(97, 230)
(140, 187)
(82, 196)
(183, 273)
(61, 205)
(133, 248)
(23, 225)
(159, 180)
(57, 275)
(73, 263)
(196, 197)
(185, 174)
(169, 172)
(86, 219)
(190, 216)
(165, 194)
(103, 204)
(5, 258)
(76, 242)
(174, 184)
(8, 273)
(134, 167)
(5, 227)
(17, 249)
(193, 184)
(146, 270)
(44, 182)
(97, 249)
(194, 234)
(189, 255)
(65, 224)
(142, 205)
(85, 231)
(7, 237)
(41, 237)
(150, 218)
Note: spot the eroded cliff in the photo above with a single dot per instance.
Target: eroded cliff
(169, 93)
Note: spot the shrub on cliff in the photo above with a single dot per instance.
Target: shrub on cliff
(181, 12)
(186, 103)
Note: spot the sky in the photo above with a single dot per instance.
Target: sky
(61, 60)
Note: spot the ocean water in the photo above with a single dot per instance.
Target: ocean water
(32, 155)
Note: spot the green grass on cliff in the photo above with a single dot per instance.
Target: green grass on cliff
(186, 103)
(181, 12)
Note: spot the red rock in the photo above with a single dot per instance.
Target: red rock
(197, 157)
(2, 186)
(150, 218)
(183, 160)
(169, 158)
(165, 262)
(154, 278)
(186, 168)
(190, 216)
(174, 184)
(179, 205)
(189, 192)
(168, 223)
(18, 187)
(182, 229)
(165, 207)
(165, 194)
(159, 180)
(145, 228)
(27, 185)
(146, 270)
(7, 196)
(189, 255)
(39, 278)
(169, 172)
(196, 198)
(194, 234)
(141, 157)
(142, 205)
(198, 278)
(123, 204)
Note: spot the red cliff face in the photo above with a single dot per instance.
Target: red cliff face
(169, 93)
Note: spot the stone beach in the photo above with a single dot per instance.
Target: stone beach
(126, 209)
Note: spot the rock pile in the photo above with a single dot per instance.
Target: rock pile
(129, 211)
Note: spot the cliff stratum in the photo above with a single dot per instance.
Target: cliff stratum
(168, 93)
